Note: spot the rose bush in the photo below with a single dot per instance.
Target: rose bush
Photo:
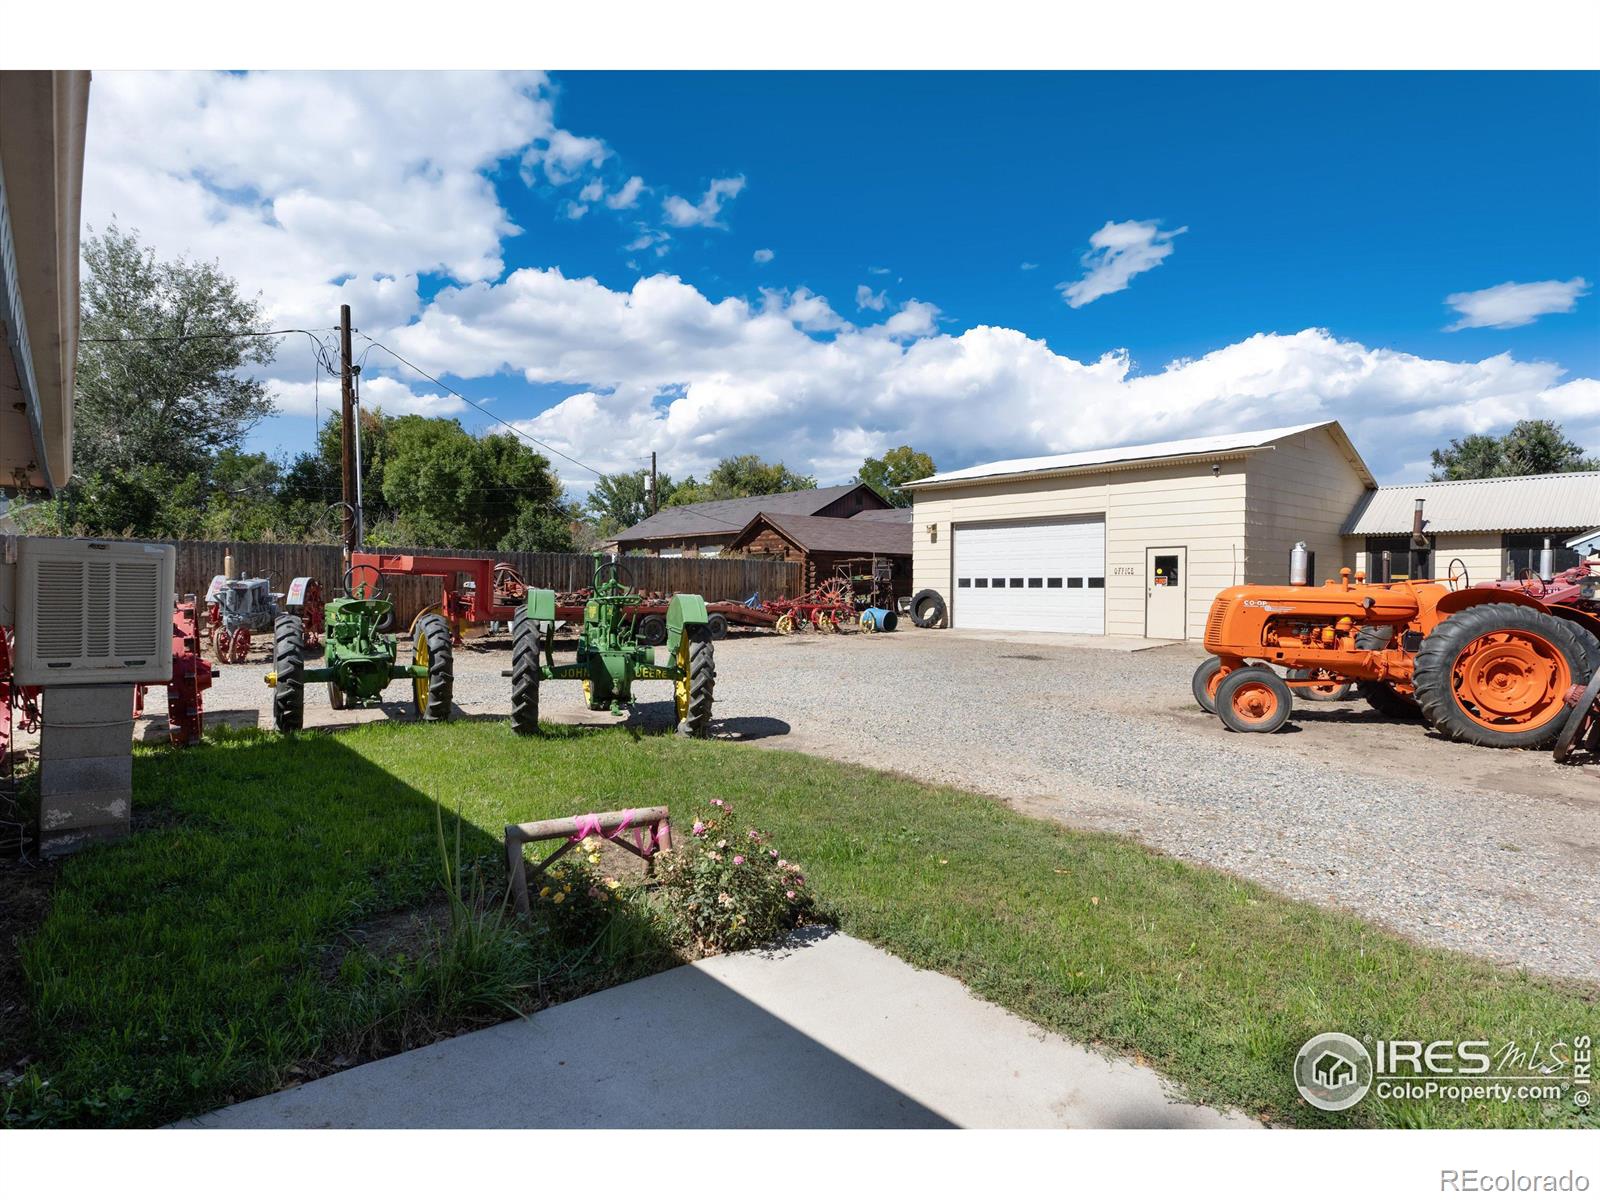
(726, 888)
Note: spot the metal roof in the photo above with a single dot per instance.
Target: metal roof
(730, 516)
(1204, 447)
(1526, 503)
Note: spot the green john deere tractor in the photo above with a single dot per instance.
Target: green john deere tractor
(360, 656)
(611, 655)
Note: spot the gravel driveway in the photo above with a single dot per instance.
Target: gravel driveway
(1493, 852)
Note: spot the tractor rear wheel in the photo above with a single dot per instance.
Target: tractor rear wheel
(1498, 675)
(697, 682)
(524, 674)
(1253, 700)
(289, 659)
(431, 648)
(1380, 695)
(1204, 685)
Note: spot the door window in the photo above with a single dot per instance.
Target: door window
(1166, 571)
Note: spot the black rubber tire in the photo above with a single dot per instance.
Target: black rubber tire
(441, 667)
(1379, 695)
(928, 610)
(1591, 650)
(289, 661)
(702, 683)
(1435, 666)
(718, 625)
(1341, 693)
(336, 698)
(525, 674)
(652, 630)
(1234, 680)
(1201, 681)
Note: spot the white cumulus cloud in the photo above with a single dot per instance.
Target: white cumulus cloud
(681, 213)
(663, 366)
(763, 256)
(866, 298)
(1507, 305)
(1118, 251)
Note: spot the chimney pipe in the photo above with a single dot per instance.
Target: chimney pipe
(1547, 561)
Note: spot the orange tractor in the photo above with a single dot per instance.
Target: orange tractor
(1499, 664)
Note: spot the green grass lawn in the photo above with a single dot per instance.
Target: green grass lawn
(196, 963)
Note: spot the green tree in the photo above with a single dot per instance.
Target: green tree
(740, 475)
(897, 467)
(161, 401)
(1533, 447)
(178, 400)
(445, 487)
(619, 501)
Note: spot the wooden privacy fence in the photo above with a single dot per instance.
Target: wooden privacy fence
(714, 578)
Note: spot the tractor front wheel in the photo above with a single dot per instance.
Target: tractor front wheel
(1253, 700)
(524, 674)
(431, 649)
(289, 659)
(336, 697)
(697, 681)
(1328, 686)
(1204, 685)
(1499, 674)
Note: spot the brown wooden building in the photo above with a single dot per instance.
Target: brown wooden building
(827, 546)
(707, 528)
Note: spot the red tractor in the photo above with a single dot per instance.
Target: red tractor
(1500, 664)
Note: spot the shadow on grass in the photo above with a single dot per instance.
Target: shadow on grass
(226, 951)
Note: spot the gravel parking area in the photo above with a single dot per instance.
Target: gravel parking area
(1492, 852)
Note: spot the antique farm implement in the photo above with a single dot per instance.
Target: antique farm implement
(361, 658)
(826, 608)
(1509, 663)
(611, 656)
(237, 609)
(478, 591)
(191, 676)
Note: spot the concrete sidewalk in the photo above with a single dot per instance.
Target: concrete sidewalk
(826, 1032)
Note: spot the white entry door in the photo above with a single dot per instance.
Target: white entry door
(1166, 584)
(1046, 576)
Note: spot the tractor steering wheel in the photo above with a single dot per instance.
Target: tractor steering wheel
(371, 581)
(613, 572)
(1465, 579)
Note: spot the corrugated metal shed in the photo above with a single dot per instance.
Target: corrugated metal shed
(1528, 503)
(1219, 444)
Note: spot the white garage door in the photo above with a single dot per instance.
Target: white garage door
(1039, 575)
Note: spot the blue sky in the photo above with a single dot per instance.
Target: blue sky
(1244, 213)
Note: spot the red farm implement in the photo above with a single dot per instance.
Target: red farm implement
(478, 590)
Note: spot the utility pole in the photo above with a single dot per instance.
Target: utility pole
(655, 499)
(347, 432)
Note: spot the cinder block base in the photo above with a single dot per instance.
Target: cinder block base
(85, 767)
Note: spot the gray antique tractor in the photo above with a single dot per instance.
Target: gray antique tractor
(237, 609)
(612, 654)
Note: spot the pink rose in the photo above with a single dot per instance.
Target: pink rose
(699, 828)
(789, 894)
(738, 860)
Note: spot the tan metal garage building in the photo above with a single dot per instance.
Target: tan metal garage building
(1135, 540)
